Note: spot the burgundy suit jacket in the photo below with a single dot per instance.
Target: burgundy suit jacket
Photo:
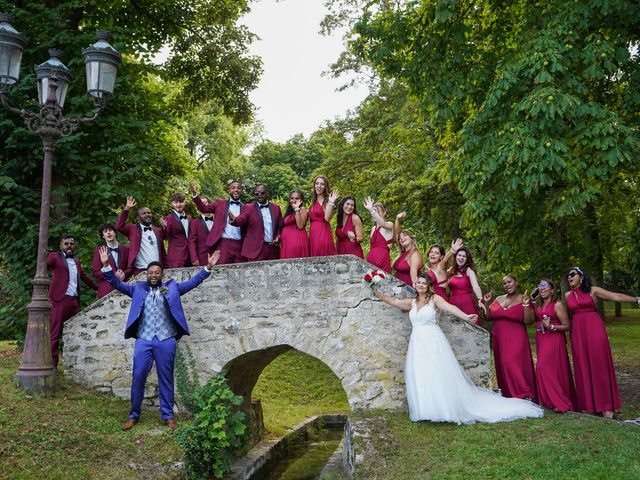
(96, 268)
(133, 231)
(198, 249)
(178, 250)
(219, 208)
(252, 219)
(57, 264)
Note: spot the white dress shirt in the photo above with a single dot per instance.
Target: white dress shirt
(72, 288)
(149, 249)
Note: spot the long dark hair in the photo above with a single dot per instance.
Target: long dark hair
(340, 217)
(585, 281)
(325, 196)
(454, 270)
(289, 209)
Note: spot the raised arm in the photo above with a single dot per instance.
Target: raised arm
(529, 309)
(380, 221)
(110, 277)
(442, 304)
(486, 299)
(600, 292)
(403, 304)
(331, 204)
(197, 279)
(456, 245)
(397, 225)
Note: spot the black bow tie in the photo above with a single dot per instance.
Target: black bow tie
(68, 255)
(264, 206)
(183, 217)
(117, 249)
(145, 229)
(208, 219)
(234, 202)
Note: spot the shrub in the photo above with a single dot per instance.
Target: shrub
(218, 429)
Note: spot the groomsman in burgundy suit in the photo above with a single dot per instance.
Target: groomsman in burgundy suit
(64, 290)
(262, 220)
(145, 241)
(176, 230)
(223, 236)
(118, 258)
(199, 229)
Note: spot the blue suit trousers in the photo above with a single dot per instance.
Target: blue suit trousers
(145, 352)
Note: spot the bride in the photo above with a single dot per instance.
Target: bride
(437, 388)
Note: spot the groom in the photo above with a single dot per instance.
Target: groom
(156, 320)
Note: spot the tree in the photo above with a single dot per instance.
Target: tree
(140, 146)
(535, 104)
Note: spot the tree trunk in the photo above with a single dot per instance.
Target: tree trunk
(563, 255)
(595, 254)
(618, 306)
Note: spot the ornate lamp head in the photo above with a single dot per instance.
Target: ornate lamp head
(102, 61)
(12, 45)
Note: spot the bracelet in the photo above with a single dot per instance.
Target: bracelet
(296, 210)
(552, 328)
(525, 305)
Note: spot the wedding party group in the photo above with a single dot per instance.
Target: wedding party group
(230, 231)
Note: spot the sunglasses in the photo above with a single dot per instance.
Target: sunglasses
(544, 285)
(257, 194)
(572, 274)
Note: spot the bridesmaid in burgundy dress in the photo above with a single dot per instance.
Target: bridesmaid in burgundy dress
(596, 384)
(294, 242)
(437, 270)
(553, 371)
(381, 235)
(349, 228)
(463, 284)
(510, 342)
(320, 212)
(409, 264)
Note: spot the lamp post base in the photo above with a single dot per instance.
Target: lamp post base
(36, 372)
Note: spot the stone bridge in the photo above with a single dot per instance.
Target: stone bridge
(243, 316)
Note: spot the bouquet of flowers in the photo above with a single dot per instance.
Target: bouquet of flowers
(374, 277)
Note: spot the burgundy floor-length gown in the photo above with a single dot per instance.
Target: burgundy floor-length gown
(320, 233)
(438, 287)
(294, 242)
(403, 269)
(553, 371)
(344, 245)
(511, 352)
(379, 252)
(596, 384)
(462, 295)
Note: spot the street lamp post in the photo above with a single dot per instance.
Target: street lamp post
(36, 372)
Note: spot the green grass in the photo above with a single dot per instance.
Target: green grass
(556, 447)
(295, 386)
(75, 434)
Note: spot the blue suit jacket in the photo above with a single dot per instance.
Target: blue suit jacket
(139, 291)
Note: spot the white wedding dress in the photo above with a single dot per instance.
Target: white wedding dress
(438, 389)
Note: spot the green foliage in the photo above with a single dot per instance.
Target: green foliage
(150, 138)
(534, 108)
(217, 431)
(187, 381)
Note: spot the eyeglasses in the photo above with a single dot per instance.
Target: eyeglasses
(257, 194)
(572, 274)
(544, 285)
(68, 243)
